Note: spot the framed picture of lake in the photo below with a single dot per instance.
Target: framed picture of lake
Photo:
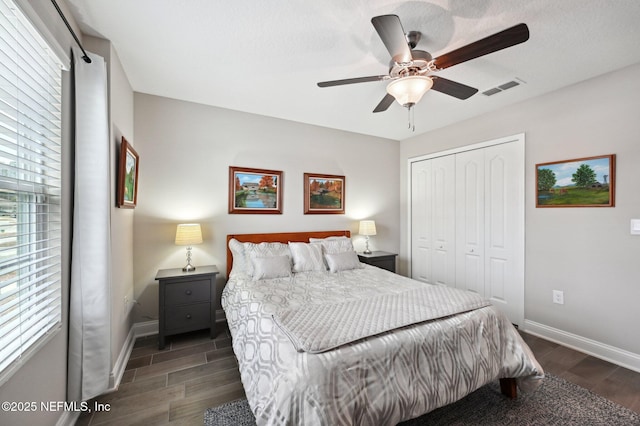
(255, 191)
(127, 196)
(583, 182)
(323, 194)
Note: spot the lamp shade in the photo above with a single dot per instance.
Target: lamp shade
(188, 234)
(367, 227)
(409, 90)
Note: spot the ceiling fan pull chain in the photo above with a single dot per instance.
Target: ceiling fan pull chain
(412, 124)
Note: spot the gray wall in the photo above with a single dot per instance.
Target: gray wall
(586, 252)
(185, 152)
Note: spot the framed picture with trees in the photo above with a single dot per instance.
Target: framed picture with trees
(582, 182)
(323, 194)
(255, 191)
(127, 196)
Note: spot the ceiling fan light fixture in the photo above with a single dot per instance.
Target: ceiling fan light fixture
(409, 90)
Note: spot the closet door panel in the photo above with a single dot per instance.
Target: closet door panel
(421, 216)
(504, 211)
(443, 220)
(470, 221)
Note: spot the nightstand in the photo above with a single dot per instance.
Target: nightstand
(381, 259)
(186, 301)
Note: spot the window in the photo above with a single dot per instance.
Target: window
(30, 186)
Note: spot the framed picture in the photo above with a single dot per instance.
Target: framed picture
(254, 191)
(583, 182)
(323, 194)
(127, 176)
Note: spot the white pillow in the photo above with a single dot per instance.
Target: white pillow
(334, 245)
(306, 257)
(239, 265)
(342, 261)
(271, 267)
(252, 251)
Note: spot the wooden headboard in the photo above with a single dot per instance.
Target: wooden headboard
(280, 237)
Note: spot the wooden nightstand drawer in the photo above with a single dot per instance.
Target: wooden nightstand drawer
(188, 317)
(189, 292)
(186, 301)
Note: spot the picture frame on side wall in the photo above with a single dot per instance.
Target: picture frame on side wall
(128, 166)
(324, 194)
(581, 182)
(255, 191)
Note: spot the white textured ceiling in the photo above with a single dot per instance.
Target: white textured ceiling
(265, 57)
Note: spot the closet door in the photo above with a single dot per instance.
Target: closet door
(421, 238)
(443, 202)
(470, 221)
(504, 228)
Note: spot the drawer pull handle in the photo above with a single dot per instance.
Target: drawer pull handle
(188, 316)
(188, 292)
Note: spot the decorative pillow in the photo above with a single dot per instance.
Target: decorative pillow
(332, 245)
(306, 257)
(252, 250)
(343, 261)
(271, 267)
(239, 259)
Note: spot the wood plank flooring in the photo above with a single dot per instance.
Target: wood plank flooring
(176, 385)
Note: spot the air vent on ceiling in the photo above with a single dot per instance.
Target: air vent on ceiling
(502, 87)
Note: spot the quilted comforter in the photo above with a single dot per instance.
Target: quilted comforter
(382, 379)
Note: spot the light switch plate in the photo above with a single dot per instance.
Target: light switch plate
(635, 226)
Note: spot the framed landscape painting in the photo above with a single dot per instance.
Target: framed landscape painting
(323, 194)
(127, 176)
(255, 191)
(583, 182)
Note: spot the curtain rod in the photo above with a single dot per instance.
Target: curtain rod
(85, 56)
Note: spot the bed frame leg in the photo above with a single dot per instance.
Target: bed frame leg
(509, 388)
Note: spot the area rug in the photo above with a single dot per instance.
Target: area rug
(555, 402)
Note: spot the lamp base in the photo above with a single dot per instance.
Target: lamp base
(189, 268)
(367, 251)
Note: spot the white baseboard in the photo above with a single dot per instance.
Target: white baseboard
(121, 362)
(597, 349)
(146, 328)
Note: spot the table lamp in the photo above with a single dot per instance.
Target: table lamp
(188, 234)
(367, 228)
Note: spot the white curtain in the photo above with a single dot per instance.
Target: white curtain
(89, 308)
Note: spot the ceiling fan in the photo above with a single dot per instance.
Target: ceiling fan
(411, 70)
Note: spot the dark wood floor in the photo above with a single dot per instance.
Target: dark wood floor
(176, 385)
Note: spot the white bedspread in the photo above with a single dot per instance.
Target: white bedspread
(322, 326)
(381, 380)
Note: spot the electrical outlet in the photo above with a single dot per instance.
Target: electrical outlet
(558, 297)
(126, 303)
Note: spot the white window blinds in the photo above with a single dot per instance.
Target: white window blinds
(30, 180)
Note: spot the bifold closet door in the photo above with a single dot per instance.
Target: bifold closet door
(490, 225)
(433, 220)
(467, 223)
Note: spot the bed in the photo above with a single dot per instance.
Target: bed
(338, 342)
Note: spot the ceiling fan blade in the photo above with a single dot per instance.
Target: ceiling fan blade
(453, 88)
(352, 80)
(391, 32)
(385, 103)
(507, 38)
